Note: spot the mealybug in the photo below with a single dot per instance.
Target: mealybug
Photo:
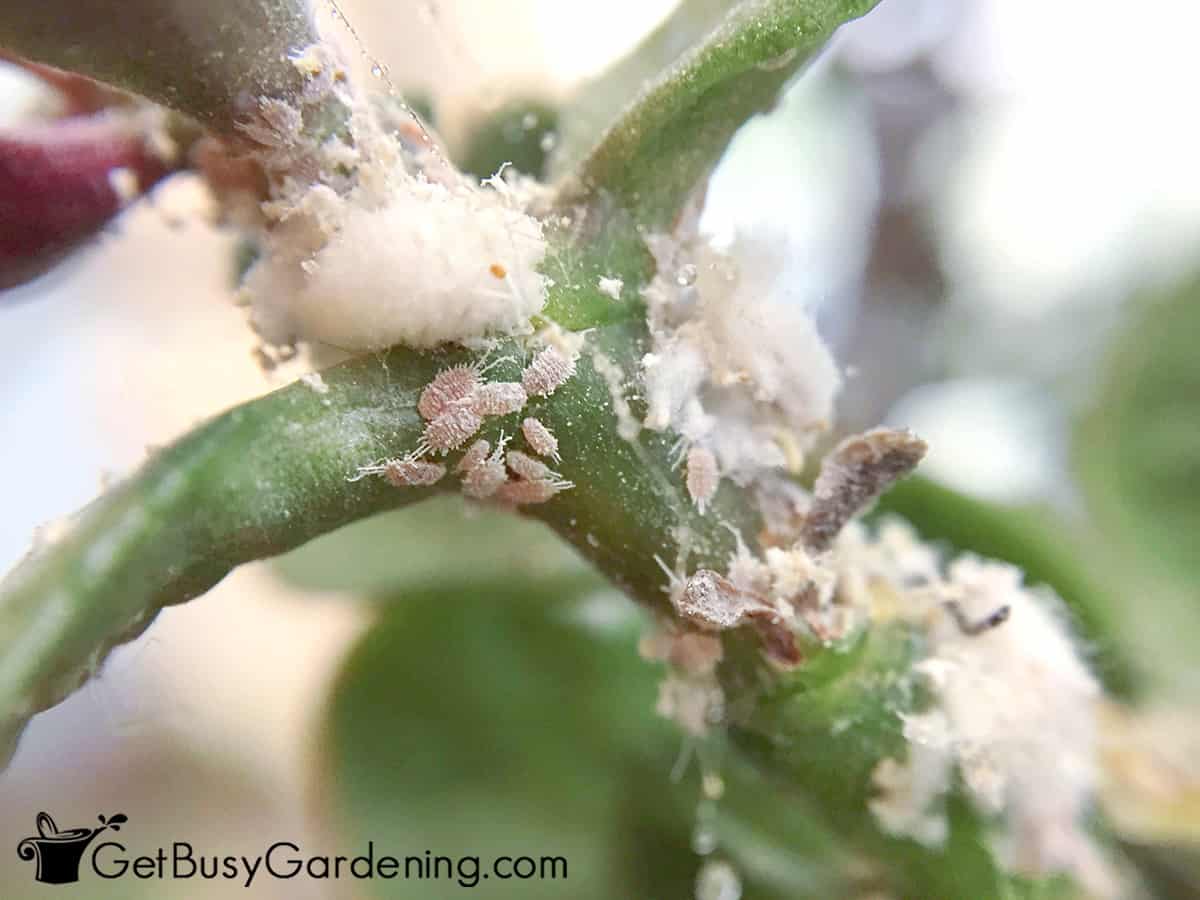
(529, 468)
(499, 398)
(448, 385)
(536, 482)
(547, 372)
(702, 477)
(540, 439)
(452, 428)
(482, 473)
(409, 472)
(520, 493)
(475, 455)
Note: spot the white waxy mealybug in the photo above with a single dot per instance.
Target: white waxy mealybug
(448, 386)
(540, 439)
(409, 472)
(499, 398)
(453, 428)
(702, 477)
(547, 372)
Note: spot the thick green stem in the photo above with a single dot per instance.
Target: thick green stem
(629, 510)
(272, 474)
(211, 59)
(255, 481)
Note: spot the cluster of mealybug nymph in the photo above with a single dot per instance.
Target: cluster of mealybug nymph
(447, 406)
(454, 405)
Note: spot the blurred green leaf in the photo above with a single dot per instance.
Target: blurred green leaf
(488, 721)
(516, 717)
(521, 133)
(1138, 450)
(1137, 453)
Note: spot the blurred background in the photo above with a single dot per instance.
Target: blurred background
(993, 210)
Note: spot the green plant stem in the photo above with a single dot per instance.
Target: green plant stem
(211, 60)
(663, 147)
(599, 101)
(255, 481)
(272, 473)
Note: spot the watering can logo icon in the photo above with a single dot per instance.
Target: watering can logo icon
(58, 853)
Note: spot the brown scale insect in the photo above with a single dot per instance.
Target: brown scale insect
(452, 428)
(499, 398)
(703, 477)
(410, 472)
(448, 386)
(540, 438)
(547, 372)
